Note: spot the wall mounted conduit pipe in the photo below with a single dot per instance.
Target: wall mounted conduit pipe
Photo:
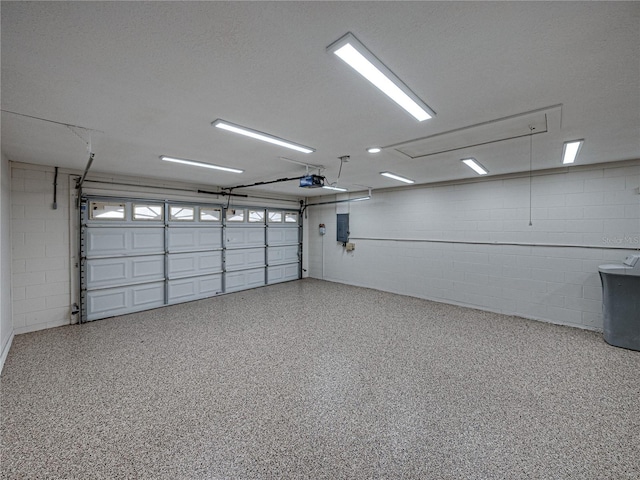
(55, 190)
(514, 244)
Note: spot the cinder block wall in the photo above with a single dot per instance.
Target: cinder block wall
(40, 249)
(594, 206)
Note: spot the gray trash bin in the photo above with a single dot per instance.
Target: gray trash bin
(621, 302)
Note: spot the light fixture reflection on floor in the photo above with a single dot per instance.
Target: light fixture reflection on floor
(265, 137)
(358, 57)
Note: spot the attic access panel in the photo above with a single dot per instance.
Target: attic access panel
(499, 130)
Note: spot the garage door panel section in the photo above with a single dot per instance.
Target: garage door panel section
(245, 242)
(124, 241)
(282, 235)
(243, 259)
(195, 263)
(195, 253)
(283, 273)
(285, 254)
(245, 279)
(110, 302)
(242, 237)
(194, 288)
(283, 250)
(111, 272)
(190, 239)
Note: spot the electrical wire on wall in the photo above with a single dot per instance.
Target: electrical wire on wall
(531, 128)
(55, 190)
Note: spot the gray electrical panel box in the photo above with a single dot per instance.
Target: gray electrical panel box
(343, 227)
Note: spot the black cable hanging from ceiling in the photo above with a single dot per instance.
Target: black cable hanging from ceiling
(287, 179)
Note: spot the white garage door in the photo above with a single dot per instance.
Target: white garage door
(142, 254)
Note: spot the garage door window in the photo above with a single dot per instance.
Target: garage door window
(256, 216)
(107, 211)
(210, 214)
(235, 215)
(275, 216)
(290, 217)
(180, 213)
(148, 212)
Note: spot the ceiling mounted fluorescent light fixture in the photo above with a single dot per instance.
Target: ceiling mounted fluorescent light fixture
(337, 189)
(473, 164)
(397, 177)
(570, 151)
(200, 164)
(265, 137)
(354, 53)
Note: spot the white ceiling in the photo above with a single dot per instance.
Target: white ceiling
(150, 77)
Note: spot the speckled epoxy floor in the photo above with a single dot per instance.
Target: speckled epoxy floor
(318, 380)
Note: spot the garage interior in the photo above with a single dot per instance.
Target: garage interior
(317, 239)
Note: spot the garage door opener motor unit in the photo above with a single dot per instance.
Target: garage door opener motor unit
(311, 181)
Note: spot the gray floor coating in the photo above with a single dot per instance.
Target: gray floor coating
(317, 380)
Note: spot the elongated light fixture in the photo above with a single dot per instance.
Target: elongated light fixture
(357, 56)
(337, 189)
(570, 151)
(397, 177)
(473, 164)
(265, 137)
(200, 164)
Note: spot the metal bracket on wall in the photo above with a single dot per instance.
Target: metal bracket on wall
(86, 170)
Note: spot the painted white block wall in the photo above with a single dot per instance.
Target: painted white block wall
(6, 321)
(40, 249)
(596, 206)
